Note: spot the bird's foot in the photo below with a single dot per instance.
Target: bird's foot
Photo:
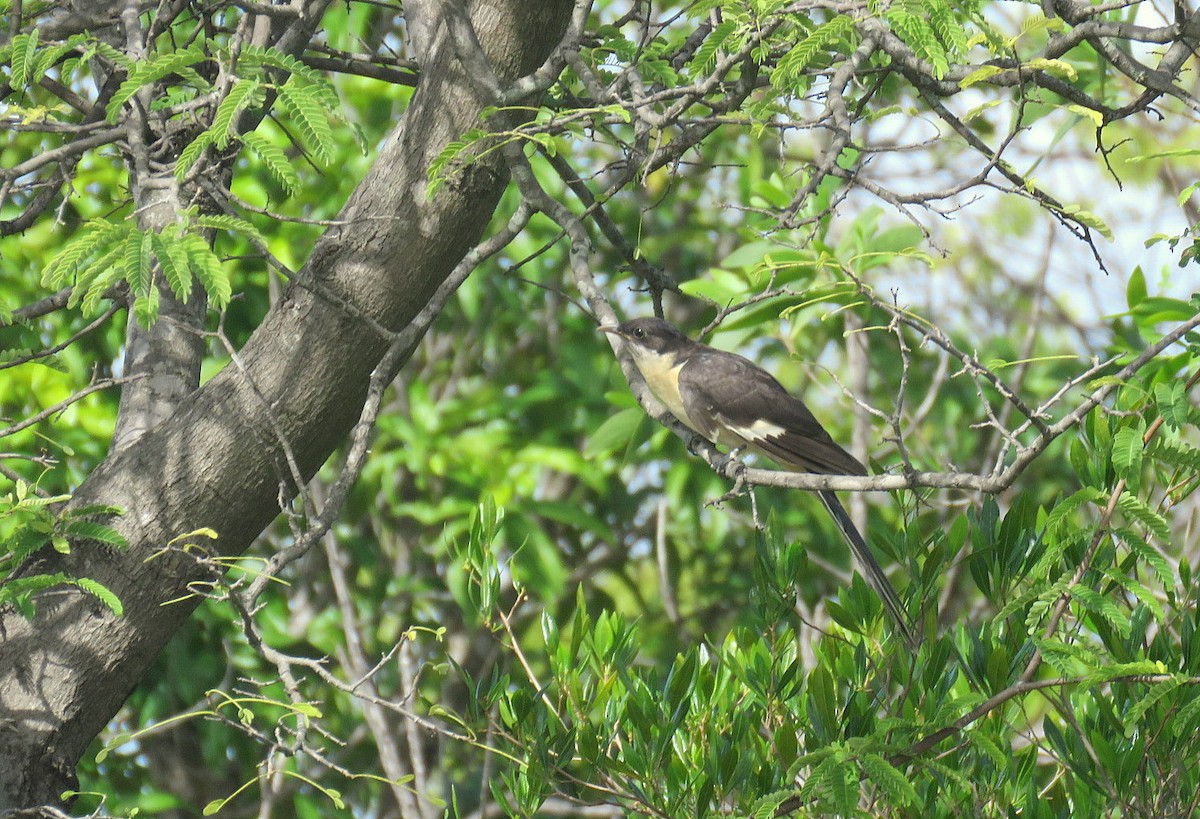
(730, 467)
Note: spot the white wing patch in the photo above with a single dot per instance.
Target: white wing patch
(735, 435)
(760, 430)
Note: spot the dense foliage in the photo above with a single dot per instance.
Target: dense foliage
(515, 592)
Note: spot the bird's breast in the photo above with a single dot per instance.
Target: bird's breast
(662, 377)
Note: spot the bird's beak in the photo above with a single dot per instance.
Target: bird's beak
(611, 330)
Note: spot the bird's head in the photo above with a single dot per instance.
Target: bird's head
(650, 336)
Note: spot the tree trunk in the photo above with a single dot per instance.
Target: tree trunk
(222, 459)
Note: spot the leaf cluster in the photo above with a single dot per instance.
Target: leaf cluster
(28, 522)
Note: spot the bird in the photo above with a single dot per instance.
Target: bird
(732, 402)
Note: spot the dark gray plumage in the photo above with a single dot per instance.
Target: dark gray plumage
(731, 401)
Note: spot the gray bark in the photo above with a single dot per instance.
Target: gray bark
(221, 459)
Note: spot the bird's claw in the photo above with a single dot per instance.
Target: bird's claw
(731, 467)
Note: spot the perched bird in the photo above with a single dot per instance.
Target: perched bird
(732, 402)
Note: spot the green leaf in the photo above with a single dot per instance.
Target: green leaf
(1139, 590)
(189, 155)
(1187, 193)
(94, 237)
(96, 46)
(208, 269)
(791, 66)
(94, 282)
(1136, 509)
(1127, 449)
(1062, 509)
(705, 57)
(1181, 152)
(101, 592)
(842, 788)
(1134, 715)
(920, 37)
(889, 779)
(275, 161)
(145, 308)
(1172, 404)
(1177, 453)
(1155, 309)
(950, 30)
(244, 94)
(1114, 671)
(91, 530)
(151, 70)
(1148, 555)
(23, 59)
(256, 57)
(304, 105)
(97, 276)
(767, 807)
(232, 224)
(614, 433)
(136, 262)
(451, 154)
(1135, 289)
(173, 261)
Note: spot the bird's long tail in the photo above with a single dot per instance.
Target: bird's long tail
(870, 568)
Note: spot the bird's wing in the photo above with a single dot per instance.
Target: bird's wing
(735, 402)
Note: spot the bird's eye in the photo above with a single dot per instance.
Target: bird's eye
(639, 333)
